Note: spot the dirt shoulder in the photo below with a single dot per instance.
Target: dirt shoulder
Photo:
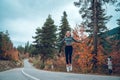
(6, 65)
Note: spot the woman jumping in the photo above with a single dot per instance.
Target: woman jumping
(68, 40)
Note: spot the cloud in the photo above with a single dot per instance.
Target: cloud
(111, 11)
(72, 14)
(21, 29)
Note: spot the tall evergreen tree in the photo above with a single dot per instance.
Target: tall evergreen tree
(64, 26)
(102, 19)
(45, 39)
(21, 49)
(26, 47)
(37, 43)
(32, 50)
(88, 17)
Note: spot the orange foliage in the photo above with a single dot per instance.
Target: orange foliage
(15, 55)
(59, 64)
(12, 54)
(9, 52)
(83, 52)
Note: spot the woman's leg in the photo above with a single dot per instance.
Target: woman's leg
(66, 54)
(70, 54)
(70, 57)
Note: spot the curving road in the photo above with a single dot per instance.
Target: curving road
(30, 73)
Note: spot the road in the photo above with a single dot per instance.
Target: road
(30, 73)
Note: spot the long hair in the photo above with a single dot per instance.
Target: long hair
(67, 32)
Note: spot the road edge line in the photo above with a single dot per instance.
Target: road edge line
(34, 78)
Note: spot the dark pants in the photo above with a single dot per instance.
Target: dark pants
(110, 71)
(68, 54)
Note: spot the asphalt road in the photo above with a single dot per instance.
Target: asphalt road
(30, 73)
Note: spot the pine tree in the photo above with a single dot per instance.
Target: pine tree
(32, 50)
(64, 26)
(48, 37)
(21, 49)
(37, 43)
(102, 19)
(26, 47)
(88, 17)
(45, 39)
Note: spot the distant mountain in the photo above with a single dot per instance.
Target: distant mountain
(113, 34)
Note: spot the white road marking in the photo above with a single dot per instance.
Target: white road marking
(34, 78)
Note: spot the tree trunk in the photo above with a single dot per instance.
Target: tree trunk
(95, 27)
(95, 35)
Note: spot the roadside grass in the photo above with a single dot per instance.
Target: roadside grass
(58, 65)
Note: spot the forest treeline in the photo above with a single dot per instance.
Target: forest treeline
(7, 50)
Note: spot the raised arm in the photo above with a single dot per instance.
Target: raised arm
(61, 41)
(60, 44)
(78, 41)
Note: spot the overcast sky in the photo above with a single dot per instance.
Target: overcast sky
(22, 17)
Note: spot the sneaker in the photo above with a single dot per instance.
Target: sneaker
(67, 68)
(70, 67)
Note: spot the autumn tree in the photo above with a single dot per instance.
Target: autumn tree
(83, 59)
(7, 51)
(5, 44)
